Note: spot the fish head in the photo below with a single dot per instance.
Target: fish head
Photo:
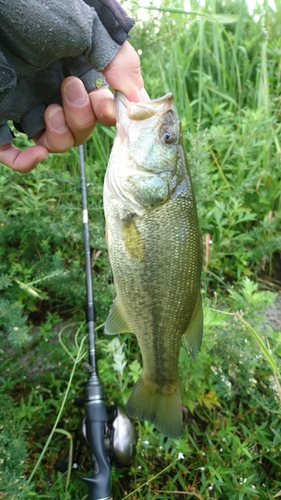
(149, 132)
(144, 167)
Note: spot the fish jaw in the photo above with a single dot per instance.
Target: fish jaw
(140, 110)
(128, 112)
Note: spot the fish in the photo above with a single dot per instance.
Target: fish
(154, 247)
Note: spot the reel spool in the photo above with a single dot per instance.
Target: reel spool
(120, 438)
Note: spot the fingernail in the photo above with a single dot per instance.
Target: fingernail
(75, 92)
(40, 159)
(57, 120)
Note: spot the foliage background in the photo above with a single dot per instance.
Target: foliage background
(223, 66)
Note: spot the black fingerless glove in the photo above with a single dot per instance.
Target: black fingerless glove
(43, 42)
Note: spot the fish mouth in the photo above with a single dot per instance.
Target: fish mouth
(128, 111)
(141, 110)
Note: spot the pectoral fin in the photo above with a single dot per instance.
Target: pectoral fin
(132, 240)
(194, 331)
(116, 323)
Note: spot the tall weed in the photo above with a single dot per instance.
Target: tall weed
(225, 74)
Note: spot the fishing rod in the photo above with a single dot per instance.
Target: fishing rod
(108, 433)
(95, 408)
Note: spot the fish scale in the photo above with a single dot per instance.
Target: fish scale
(155, 254)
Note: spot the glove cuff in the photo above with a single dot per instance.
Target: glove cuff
(115, 20)
(33, 121)
(6, 135)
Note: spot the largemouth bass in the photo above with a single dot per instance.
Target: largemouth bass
(154, 249)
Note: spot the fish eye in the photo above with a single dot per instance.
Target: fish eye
(169, 136)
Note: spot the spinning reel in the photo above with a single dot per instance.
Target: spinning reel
(108, 433)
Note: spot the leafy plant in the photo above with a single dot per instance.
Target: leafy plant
(13, 450)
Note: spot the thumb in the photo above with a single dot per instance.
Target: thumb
(124, 73)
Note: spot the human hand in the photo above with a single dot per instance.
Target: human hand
(72, 123)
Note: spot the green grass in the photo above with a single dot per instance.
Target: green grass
(224, 69)
(231, 441)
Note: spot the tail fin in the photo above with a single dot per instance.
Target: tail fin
(162, 408)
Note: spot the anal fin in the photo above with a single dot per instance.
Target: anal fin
(194, 330)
